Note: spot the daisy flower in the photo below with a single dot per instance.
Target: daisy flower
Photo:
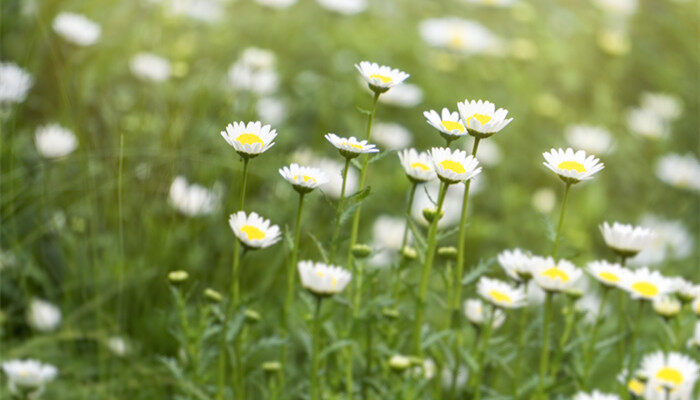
(76, 28)
(150, 67)
(43, 316)
(500, 294)
(448, 124)
(646, 123)
(679, 171)
(556, 277)
(28, 376)
(418, 166)
(390, 135)
(303, 179)
(667, 306)
(255, 72)
(454, 166)
(644, 284)
(609, 274)
(685, 290)
(249, 140)
(459, 35)
(592, 139)
(672, 371)
(192, 199)
(55, 141)
(380, 78)
(626, 240)
(518, 264)
(322, 279)
(14, 83)
(477, 314)
(666, 106)
(254, 231)
(572, 167)
(481, 117)
(595, 395)
(350, 147)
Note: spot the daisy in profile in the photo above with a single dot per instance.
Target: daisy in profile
(253, 231)
(322, 279)
(685, 290)
(481, 117)
(500, 294)
(55, 141)
(14, 83)
(667, 306)
(556, 277)
(595, 395)
(380, 78)
(672, 372)
(27, 378)
(249, 140)
(643, 284)
(626, 240)
(608, 274)
(303, 179)
(679, 171)
(193, 200)
(518, 264)
(454, 166)
(572, 167)
(76, 28)
(477, 314)
(418, 166)
(350, 147)
(447, 123)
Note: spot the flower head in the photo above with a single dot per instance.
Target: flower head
(454, 166)
(150, 67)
(254, 231)
(390, 135)
(667, 306)
(447, 123)
(679, 171)
(477, 313)
(592, 139)
(500, 294)
(350, 147)
(14, 83)
(28, 376)
(192, 199)
(459, 35)
(672, 241)
(249, 140)
(76, 28)
(43, 315)
(518, 264)
(254, 72)
(626, 240)
(418, 166)
(556, 277)
(608, 274)
(644, 284)
(322, 279)
(380, 78)
(304, 179)
(572, 167)
(55, 141)
(481, 117)
(674, 372)
(334, 171)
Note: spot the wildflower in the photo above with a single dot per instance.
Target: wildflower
(647, 124)
(447, 123)
(667, 306)
(276, 4)
(399, 363)
(459, 35)
(380, 78)
(150, 67)
(685, 290)
(679, 171)
(489, 152)
(193, 200)
(426, 369)
(344, 7)
(500, 294)
(390, 135)
(674, 372)
(556, 277)
(76, 28)
(477, 314)
(454, 166)
(15, 83)
(481, 117)
(644, 284)
(253, 231)
(271, 109)
(672, 241)
(418, 166)
(518, 264)
(451, 208)
(118, 346)
(626, 240)
(303, 179)
(54, 141)
(404, 95)
(27, 378)
(178, 277)
(608, 274)
(492, 3)
(595, 395)
(254, 72)
(387, 236)
(322, 279)
(249, 140)
(591, 139)
(572, 167)
(43, 316)
(350, 147)
(666, 106)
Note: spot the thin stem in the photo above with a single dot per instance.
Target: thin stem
(633, 340)
(427, 267)
(561, 221)
(404, 241)
(341, 206)
(588, 354)
(235, 305)
(564, 338)
(521, 350)
(370, 349)
(482, 352)
(315, 336)
(621, 322)
(245, 182)
(544, 358)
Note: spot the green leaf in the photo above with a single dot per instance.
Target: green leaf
(319, 246)
(380, 155)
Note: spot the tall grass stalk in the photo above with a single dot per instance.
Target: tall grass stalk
(339, 213)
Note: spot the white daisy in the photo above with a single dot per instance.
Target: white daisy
(76, 28)
(667, 306)
(626, 240)
(644, 284)
(595, 395)
(208, 11)
(304, 179)
(14, 83)
(254, 231)
(459, 35)
(448, 123)
(249, 140)
(518, 264)
(543, 200)
(672, 371)
(418, 166)
(193, 200)
(481, 117)
(387, 236)
(686, 290)
(609, 274)
(150, 67)
(572, 167)
(666, 106)
(391, 135)
(380, 78)
(271, 109)
(556, 277)
(477, 313)
(28, 377)
(592, 139)
(334, 172)
(405, 95)
(454, 166)
(350, 147)
(255, 72)
(54, 141)
(672, 241)
(43, 316)
(345, 7)
(646, 123)
(500, 294)
(679, 171)
(322, 279)
(277, 4)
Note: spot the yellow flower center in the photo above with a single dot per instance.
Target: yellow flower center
(636, 386)
(572, 165)
(609, 277)
(420, 166)
(383, 78)
(480, 117)
(249, 138)
(670, 375)
(646, 289)
(500, 297)
(252, 232)
(555, 273)
(355, 145)
(453, 126)
(453, 166)
(306, 178)
(456, 39)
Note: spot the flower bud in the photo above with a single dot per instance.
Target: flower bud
(361, 250)
(212, 295)
(430, 213)
(409, 253)
(448, 253)
(399, 363)
(390, 313)
(271, 366)
(178, 277)
(251, 316)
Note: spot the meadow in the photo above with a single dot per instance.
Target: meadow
(215, 199)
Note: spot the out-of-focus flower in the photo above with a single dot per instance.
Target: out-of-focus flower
(208, 11)
(350, 147)
(595, 395)
(399, 362)
(489, 153)
(500, 293)
(118, 346)
(572, 167)
(447, 377)
(666, 106)
(592, 139)
(43, 316)
(543, 200)
(54, 141)
(390, 135)
(646, 123)
(517, 264)
(150, 67)
(254, 71)
(695, 340)
(27, 378)
(680, 171)
(589, 306)
(672, 241)
(667, 306)
(380, 78)
(345, 7)
(673, 372)
(7, 259)
(14, 83)
(76, 28)
(477, 314)
(492, 3)
(406, 95)
(278, 4)
(387, 235)
(606, 273)
(426, 370)
(459, 35)
(249, 140)
(322, 279)
(626, 240)
(254, 231)
(621, 8)
(523, 49)
(644, 284)
(556, 277)
(547, 104)
(193, 200)
(334, 171)
(271, 110)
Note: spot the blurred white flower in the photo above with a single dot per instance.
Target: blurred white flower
(7, 259)
(334, 171)
(667, 306)
(345, 7)
(666, 106)
(150, 67)
(488, 152)
(592, 139)
(535, 294)
(76, 28)
(391, 135)
(387, 235)
(43, 316)
(405, 95)
(556, 277)
(626, 239)
(271, 110)
(118, 345)
(645, 123)
(543, 200)
(53, 141)
(459, 35)
(255, 72)
(279, 4)
(673, 372)
(614, 41)
(679, 171)
(618, 7)
(14, 83)
(323, 279)
(26, 378)
(193, 200)
(208, 11)
(672, 241)
(452, 207)
(645, 284)
(695, 340)
(589, 306)
(477, 314)
(595, 395)
(427, 370)
(492, 3)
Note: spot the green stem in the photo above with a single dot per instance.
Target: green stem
(621, 323)
(245, 182)
(482, 352)
(561, 221)
(521, 350)
(341, 206)
(633, 341)
(315, 395)
(588, 354)
(544, 358)
(404, 241)
(369, 350)
(235, 305)
(427, 267)
(564, 338)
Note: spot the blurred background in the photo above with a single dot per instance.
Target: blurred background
(113, 170)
